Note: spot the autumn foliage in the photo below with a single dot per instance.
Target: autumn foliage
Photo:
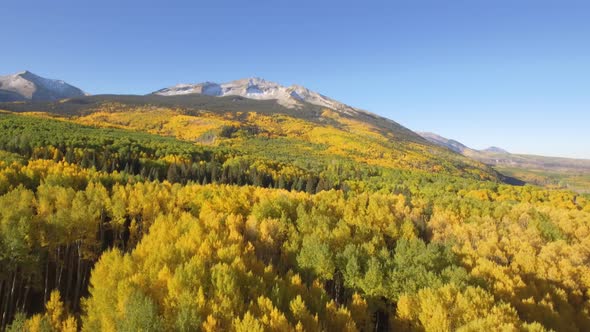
(106, 229)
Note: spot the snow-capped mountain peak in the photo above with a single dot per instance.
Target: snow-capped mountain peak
(28, 86)
(293, 96)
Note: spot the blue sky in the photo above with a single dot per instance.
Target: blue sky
(514, 74)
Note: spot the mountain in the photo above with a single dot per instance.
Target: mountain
(541, 170)
(295, 99)
(267, 121)
(293, 96)
(28, 86)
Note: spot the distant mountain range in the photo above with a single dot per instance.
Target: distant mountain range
(248, 95)
(25, 86)
(265, 113)
(495, 156)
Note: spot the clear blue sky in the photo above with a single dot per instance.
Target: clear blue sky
(515, 73)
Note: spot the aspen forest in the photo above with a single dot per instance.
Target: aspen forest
(115, 219)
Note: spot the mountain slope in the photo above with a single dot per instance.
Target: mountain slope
(28, 86)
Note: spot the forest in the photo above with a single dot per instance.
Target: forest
(116, 219)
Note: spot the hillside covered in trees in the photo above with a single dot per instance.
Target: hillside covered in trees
(195, 213)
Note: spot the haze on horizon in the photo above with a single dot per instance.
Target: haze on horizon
(513, 75)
